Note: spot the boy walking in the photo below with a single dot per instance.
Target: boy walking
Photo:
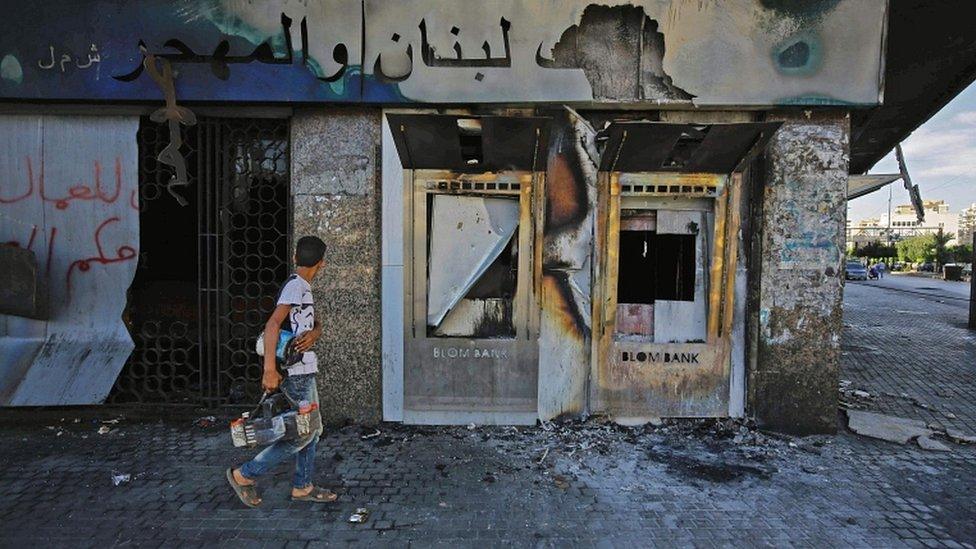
(294, 304)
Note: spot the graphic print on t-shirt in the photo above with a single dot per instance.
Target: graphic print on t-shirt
(298, 293)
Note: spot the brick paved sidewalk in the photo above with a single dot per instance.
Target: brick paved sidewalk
(687, 484)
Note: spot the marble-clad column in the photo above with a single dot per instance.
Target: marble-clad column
(336, 197)
(793, 386)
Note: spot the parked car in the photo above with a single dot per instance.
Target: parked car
(898, 267)
(855, 271)
(927, 268)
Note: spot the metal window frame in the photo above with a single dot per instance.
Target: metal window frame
(628, 392)
(529, 188)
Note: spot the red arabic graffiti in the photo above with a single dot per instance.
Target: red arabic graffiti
(123, 253)
(80, 191)
(93, 191)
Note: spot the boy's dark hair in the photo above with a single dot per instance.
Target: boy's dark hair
(309, 250)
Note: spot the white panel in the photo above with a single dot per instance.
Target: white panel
(392, 342)
(684, 321)
(392, 278)
(82, 176)
(467, 234)
(392, 200)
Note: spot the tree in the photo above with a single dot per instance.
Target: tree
(876, 250)
(917, 249)
(941, 240)
(960, 253)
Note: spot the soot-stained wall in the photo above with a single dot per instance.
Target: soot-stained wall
(335, 183)
(793, 386)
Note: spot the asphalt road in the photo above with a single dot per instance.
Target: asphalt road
(953, 293)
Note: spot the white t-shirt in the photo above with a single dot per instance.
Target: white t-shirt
(298, 293)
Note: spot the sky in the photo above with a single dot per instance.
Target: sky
(941, 159)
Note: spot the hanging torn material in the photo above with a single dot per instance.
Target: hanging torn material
(468, 233)
(174, 115)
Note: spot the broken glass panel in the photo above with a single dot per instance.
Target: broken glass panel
(471, 266)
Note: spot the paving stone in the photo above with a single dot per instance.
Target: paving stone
(680, 484)
(885, 427)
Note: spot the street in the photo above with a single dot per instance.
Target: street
(156, 476)
(922, 285)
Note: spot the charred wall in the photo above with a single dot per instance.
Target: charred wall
(793, 386)
(335, 182)
(621, 51)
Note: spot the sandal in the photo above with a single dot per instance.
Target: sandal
(247, 494)
(318, 495)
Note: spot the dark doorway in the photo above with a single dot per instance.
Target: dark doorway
(208, 271)
(655, 267)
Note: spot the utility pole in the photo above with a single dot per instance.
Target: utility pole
(889, 215)
(890, 261)
(972, 288)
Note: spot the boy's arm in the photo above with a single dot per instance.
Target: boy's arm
(272, 328)
(305, 341)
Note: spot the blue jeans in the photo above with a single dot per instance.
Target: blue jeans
(298, 388)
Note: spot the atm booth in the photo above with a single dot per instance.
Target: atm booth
(667, 236)
(472, 232)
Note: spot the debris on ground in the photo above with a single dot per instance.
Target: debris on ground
(104, 430)
(883, 427)
(929, 443)
(561, 482)
(120, 478)
(367, 436)
(206, 421)
(959, 437)
(359, 516)
(852, 398)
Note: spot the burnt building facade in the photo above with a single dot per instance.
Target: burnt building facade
(533, 209)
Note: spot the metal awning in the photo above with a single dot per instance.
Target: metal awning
(860, 185)
(470, 143)
(681, 148)
(929, 59)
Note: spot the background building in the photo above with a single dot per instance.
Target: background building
(967, 224)
(905, 223)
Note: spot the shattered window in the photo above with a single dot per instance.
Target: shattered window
(675, 267)
(472, 266)
(650, 267)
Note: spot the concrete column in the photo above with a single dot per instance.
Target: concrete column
(335, 186)
(793, 386)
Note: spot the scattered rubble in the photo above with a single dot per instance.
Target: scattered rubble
(902, 431)
(853, 399)
(206, 421)
(104, 430)
(359, 516)
(120, 478)
(959, 437)
(889, 428)
(928, 443)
